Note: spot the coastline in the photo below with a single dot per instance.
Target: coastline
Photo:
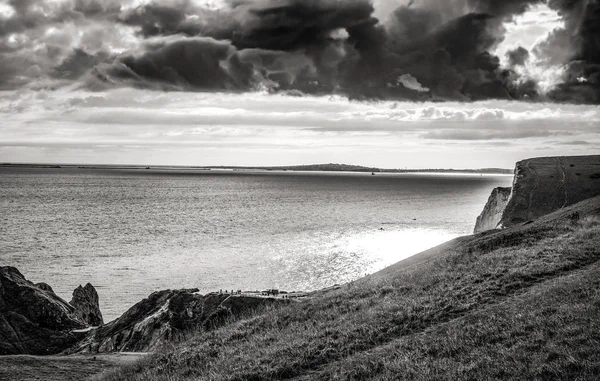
(565, 239)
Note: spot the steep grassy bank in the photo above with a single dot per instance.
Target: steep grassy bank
(518, 303)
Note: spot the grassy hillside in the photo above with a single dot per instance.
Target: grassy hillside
(522, 303)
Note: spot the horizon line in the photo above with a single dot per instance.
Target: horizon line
(256, 167)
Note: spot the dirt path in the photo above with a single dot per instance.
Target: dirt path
(563, 180)
(536, 179)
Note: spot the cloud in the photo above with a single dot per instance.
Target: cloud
(412, 83)
(128, 107)
(575, 143)
(125, 125)
(518, 56)
(197, 63)
(294, 46)
(581, 39)
(495, 134)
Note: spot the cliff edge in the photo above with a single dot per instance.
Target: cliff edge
(540, 187)
(492, 212)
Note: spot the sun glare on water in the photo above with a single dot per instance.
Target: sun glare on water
(384, 248)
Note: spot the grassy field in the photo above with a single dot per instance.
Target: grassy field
(522, 303)
(63, 368)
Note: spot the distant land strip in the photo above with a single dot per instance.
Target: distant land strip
(299, 168)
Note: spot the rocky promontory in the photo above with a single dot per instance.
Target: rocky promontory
(34, 320)
(540, 187)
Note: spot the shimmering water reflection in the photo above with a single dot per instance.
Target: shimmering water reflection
(130, 232)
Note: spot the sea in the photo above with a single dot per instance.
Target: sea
(130, 232)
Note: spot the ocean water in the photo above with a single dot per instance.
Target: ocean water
(132, 232)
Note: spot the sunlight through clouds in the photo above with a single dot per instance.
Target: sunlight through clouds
(527, 31)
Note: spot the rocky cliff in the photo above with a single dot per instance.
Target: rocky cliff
(540, 187)
(544, 185)
(85, 301)
(33, 320)
(492, 212)
(165, 316)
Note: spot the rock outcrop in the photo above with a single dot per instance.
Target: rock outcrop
(34, 320)
(493, 210)
(85, 301)
(544, 185)
(165, 316)
(541, 186)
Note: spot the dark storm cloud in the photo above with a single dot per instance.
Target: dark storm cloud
(76, 64)
(271, 25)
(518, 56)
(341, 42)
(582, 84)
(193, 63)
(298, 46)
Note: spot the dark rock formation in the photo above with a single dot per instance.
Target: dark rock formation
(33, 320)
(165, 316)
(544, 185)
(85, 301)
(492, 212)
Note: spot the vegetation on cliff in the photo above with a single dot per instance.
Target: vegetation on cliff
(519, 303)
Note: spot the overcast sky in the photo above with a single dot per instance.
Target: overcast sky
(467, 84)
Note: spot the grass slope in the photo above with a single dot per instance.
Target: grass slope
(521, 303)
(63, 368)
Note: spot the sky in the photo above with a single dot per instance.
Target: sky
(395, 84)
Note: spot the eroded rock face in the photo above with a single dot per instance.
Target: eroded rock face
(85, 301)
(33, 320)
(165, 316)
(544, 185)
(492, 212)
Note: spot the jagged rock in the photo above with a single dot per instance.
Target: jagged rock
(33, 320)
(492, 212)
(544, 185)
(85, 301)
(165, 316)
